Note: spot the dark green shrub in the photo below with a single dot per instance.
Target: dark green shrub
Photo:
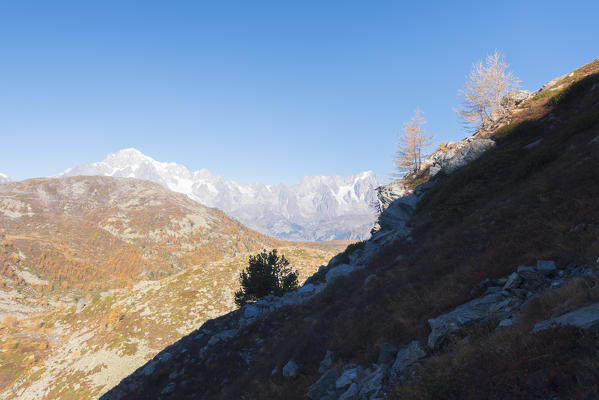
(266, 274)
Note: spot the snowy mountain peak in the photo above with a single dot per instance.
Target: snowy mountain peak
(4, 178)
(316, 208)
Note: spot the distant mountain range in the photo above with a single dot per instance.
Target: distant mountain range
(316, 208)
(4, 178)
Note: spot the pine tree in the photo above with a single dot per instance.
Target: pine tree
(266, 274)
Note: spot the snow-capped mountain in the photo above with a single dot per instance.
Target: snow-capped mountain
(4, 178)
(316, 208)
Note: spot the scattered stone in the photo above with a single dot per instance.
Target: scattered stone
(352, 393)
(168, 388)
(348, 377)
(546, 266)
(513, 281)
(533, 144)
(322, 385)
(387, 354)
(524, 268)
(222, 336)
(291, 369)
(81, 304)
(369, 279)
(585, 318)
(372, 385)
(406, 357)
(327, 361)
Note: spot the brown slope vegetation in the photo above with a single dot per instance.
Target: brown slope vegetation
(92, 233)
(89, 349)
(520, 202)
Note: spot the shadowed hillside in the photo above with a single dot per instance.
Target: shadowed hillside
(442, 303)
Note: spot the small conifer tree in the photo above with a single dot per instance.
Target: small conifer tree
(266, 274)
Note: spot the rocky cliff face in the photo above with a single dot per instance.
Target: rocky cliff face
(317, 208)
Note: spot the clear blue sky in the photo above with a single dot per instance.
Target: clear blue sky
(258, 91)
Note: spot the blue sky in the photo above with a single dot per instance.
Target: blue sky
(258, 91)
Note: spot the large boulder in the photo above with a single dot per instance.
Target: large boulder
(461, 155)
(495, 305)
(514, 98)
(387, 194)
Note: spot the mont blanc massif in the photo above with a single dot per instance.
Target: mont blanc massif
(317, 208)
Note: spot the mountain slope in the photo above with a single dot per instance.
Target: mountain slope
(91, 233)
(90, 346)
(97, 274)
(317, 208)
(511, 225)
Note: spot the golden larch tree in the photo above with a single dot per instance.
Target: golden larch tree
(410, 146)
(485, 87)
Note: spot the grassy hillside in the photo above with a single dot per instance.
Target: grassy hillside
(90, 348)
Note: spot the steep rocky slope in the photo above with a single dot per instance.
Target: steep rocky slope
(317, 208)
(480, 283)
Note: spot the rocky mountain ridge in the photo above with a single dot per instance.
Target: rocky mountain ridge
(316, 208)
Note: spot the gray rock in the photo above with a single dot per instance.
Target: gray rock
(387, 194)
(513, 281)
(168, 388)
(585, 317)
(524, 268)
(494, 305)
(291, 369)
(81, 304)
(327, 361)
(397, 214)
(546, 266)
(514, 98)
(369, 279)
(373, 383)
(493, 289)
(340, 270)
(352, 393)
(222, 336)
(462, 155)
(387, 354)
(348, 377)
(506, 322)
(406, 357)
(323, 384)
(533, 144)
(434, 170)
